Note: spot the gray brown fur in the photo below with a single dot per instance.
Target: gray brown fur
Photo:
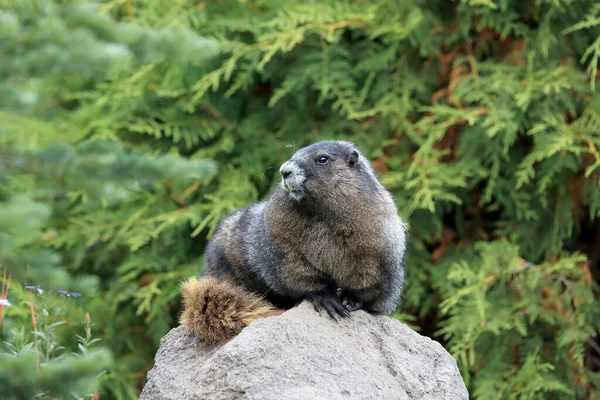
(329, 233)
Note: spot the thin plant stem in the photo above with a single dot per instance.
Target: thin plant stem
(4, 294)
(32, 308)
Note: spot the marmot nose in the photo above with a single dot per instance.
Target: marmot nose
(286, 169)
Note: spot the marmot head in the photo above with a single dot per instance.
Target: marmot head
(324, 169)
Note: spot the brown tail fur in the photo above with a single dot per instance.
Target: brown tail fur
(216, 310)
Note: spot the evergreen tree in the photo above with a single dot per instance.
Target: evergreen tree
(130, 128)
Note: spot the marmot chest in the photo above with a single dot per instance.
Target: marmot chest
(349, 255)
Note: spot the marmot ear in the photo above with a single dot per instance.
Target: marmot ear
(353, 158)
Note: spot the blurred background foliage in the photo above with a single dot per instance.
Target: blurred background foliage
(128, 128)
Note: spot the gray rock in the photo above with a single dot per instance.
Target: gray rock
(304, 355)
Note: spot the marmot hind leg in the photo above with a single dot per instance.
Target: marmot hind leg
(217, 310)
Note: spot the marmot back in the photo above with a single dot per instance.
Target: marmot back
(329, 233)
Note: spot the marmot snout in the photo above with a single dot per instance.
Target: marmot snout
(293, 179)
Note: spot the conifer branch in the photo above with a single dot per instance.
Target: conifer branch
(215, 114)
(178, 201)
(473, 64)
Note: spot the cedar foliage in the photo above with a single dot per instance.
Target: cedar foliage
(129, 128)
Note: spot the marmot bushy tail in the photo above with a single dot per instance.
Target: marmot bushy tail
(216, 311)
(329, 233)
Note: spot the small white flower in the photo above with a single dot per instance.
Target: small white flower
(5, 303)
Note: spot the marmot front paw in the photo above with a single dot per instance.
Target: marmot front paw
(331, 303)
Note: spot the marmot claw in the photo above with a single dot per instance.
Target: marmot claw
(332, 304)
(351, 304)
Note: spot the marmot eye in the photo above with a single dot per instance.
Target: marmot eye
(322, 160)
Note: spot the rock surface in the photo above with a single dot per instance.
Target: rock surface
(304, 355)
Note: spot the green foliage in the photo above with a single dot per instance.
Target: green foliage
(21, 381)
(37, 364)
(543, 312)
(130, 128)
